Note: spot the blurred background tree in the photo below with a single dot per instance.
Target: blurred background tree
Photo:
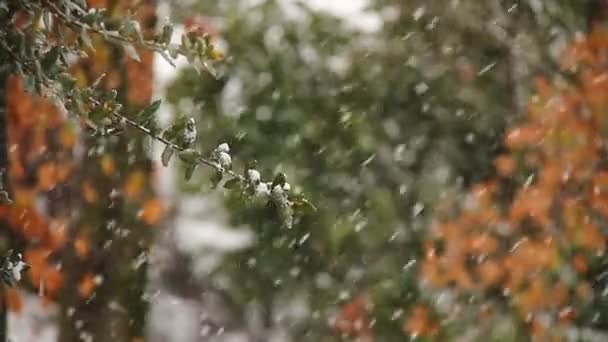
(530, 244)
(377, 124)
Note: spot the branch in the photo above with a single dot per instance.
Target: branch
(141, 128)
(112, 36)
(156, 137)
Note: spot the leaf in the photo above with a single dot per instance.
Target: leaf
(279, 179)
(216, 178)
(89, 192)
(166, 155)
(189, 170)
(86, 39)
(135, 184)
(47, 20)
(131, 51)
(133, 30)
(66, 80)
(110, 96)
(186, 44)
(232, 183)
(82, 246)
(188, 156)
(302, 204)
(47, 176)
(4, 197)
(39, 74)
(50, 58)
(167, 33)
(147, 113)
(164, 55)
(152, 211)
(87, 285)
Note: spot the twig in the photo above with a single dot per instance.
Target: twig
(156, 137)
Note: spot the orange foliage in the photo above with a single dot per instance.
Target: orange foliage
(421, 322)
(67, 138)
(89, 192)
(134, 185)
(82, 246)
(43, 273)
(519, 244)
(58, 231)
(41, 164)
(505, 165)
(354, 319)
(87, 285)
(40, 143)
(108, 166)
(152, 211)
(47, 176)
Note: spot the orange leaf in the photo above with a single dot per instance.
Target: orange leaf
(88, 192)
(47, 176)
(505, 165)
(108, 167)
(490, 272)
(87, 285)
(152, 211)
(421, 323)
(580, 264)
(524, 136)
(82, 246)
(58, 230)
(353, 319)
(37, 259)
(53, 280)
(134, 185)
(64, 169)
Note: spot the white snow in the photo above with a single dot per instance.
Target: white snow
(36, 321)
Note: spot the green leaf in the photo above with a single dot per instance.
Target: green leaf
(50, 58)
(302, 204)
(66, 80)
(166, 155)
(279, 179)
(164, 55)
(167, 33)
(86, 39)
(131, 51)
(47, 19)
(189, 156)
(232, 183)
(133, 30)
(189, 170)
(216, 178)
(39, 75)
(147, 113)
